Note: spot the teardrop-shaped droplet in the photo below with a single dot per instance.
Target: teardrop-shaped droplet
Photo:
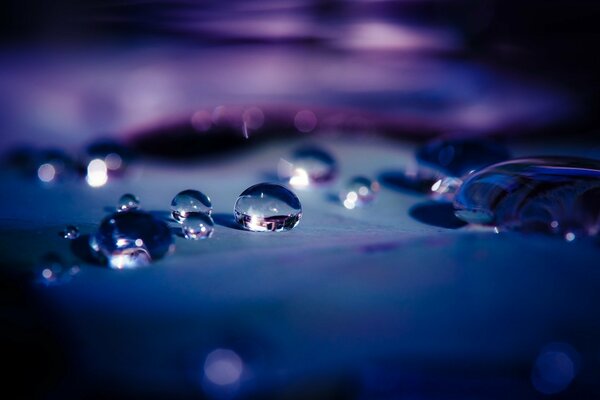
(559, 195)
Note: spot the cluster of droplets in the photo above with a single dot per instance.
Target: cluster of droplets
(192, 209)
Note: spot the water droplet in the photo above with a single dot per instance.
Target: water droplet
(558, 195)
(128, 202)
(132, 239)
(71, 232)
(457, 157)
(267, 207)
(555, 368)
(198, 225)
(359, 191)
(52, 270)
(189, 201)
(444, 189)
(308, 167)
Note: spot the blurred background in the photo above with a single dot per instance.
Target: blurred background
(72, 69)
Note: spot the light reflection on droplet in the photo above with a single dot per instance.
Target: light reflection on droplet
(97, 173)
(358, 192)
(305, 121)
(308, 167)
(46, 172)
(555, 368)
(569, 236)
(223, 367)
(71, 232)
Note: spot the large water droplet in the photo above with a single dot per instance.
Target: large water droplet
(132, 239)
(457, 157)
(190, 201)
(308, 167)
(71, 232)
(553, 194)
(128, 202)
(267, 207)
(198, 225)
(358, 192)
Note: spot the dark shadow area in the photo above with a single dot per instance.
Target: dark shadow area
(162, 215)
(226, 220)
(399, 181)
(176, 231)
(81, 249)
(436, 214)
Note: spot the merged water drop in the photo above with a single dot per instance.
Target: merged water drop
(559, 195)
(358, 192)
(132, 239)
(308, 167)
(198, 225)
(70, 232)
(444, 189)
(267, 207)
(128, 202)
(457, 157)
(189, 201)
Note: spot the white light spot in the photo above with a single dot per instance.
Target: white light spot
(300, 178)
(96, 173)
(47, 273)
(139, 242)
(223, 367)
(46, 172)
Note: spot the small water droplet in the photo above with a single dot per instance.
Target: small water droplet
(358, 192)
(457, 157)
(71, 232)
(558, 195)
(308, 167)
(198, 226)
(267, 207)
(128, 202)
(189, 201)
(132, 239)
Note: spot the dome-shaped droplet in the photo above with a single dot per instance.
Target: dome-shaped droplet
(128, 202)
(457, 157)
(557, 195)
(267, 207)
(70, 232)
(197, 225)
(189, 201)
(132, 239)
(358, 192)
(308, 167)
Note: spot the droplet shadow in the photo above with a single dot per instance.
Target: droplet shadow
(401, 182)
(440, 214)
(80, 247)
(226, 220)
